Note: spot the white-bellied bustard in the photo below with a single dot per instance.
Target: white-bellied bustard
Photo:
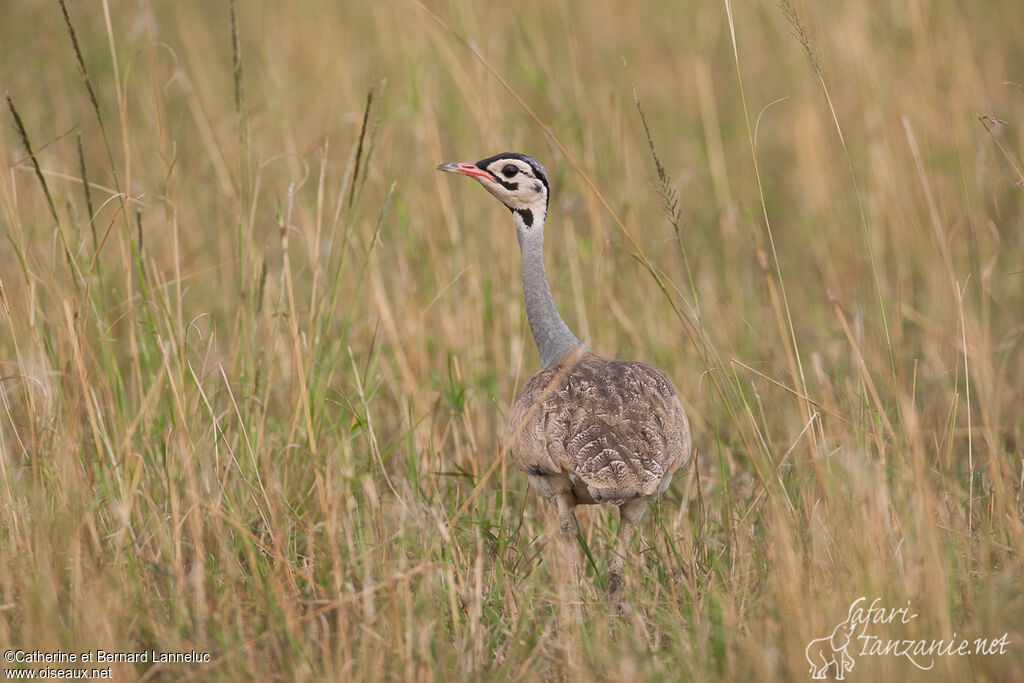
(585, 429)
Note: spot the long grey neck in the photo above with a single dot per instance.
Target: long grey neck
(550, 332)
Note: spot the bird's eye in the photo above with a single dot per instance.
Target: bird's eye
(509, 171)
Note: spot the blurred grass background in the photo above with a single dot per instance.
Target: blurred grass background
(255, 369)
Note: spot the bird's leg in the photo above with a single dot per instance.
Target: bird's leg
(567, 530)
(571, 606)
(629, 517)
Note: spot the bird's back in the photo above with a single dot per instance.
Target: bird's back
(617, 426)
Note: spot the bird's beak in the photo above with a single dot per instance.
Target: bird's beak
(464, 168)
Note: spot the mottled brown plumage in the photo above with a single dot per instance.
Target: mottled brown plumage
(585, 429)
(616, 425)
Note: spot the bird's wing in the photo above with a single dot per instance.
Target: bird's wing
(617, 425)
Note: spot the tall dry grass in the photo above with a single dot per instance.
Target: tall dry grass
(256, 355)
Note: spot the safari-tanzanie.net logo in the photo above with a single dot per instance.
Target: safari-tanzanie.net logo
(835, 655)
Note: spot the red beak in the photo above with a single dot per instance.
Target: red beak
(472, 170)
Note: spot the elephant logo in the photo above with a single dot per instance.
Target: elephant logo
(830, 651)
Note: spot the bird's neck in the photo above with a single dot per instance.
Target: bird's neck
(550, 332)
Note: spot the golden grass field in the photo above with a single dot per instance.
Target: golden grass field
(257, 355)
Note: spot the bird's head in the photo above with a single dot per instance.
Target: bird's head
(517, 180)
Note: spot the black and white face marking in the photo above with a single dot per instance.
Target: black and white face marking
(511, 170)
(517, 180)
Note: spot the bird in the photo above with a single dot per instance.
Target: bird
(585, 429)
